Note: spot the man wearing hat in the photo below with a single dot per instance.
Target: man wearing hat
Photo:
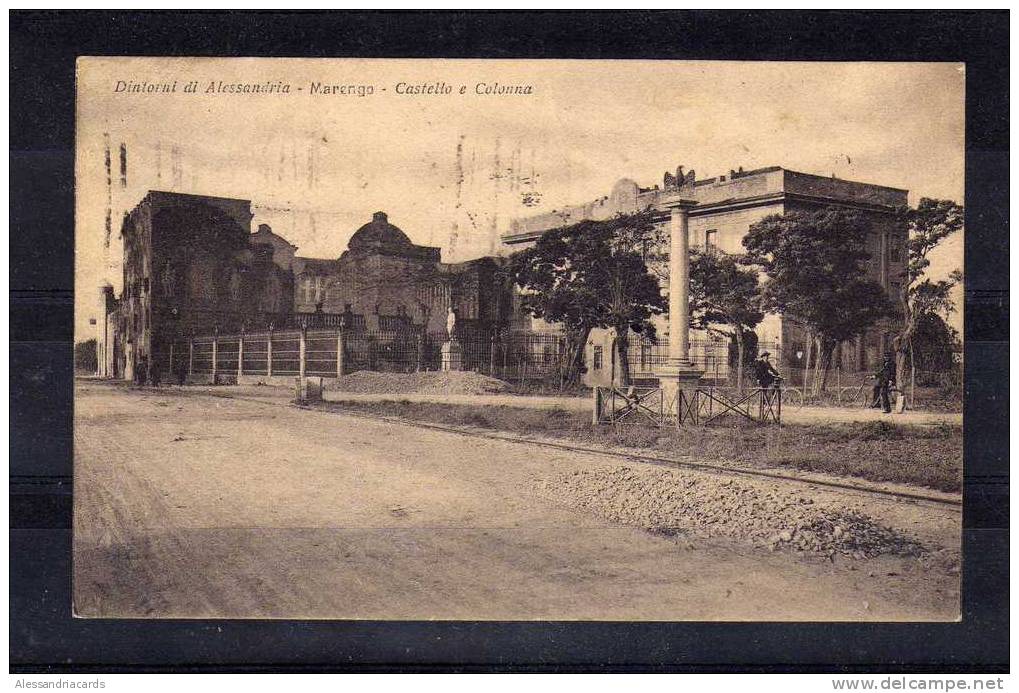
(884, 379)
(765, 373)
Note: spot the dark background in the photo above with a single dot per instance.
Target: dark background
(44, 637)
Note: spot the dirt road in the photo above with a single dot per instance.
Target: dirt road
(193, 506)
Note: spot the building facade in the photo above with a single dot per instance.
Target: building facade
(192, 267)
(726, 207)
(384, 281)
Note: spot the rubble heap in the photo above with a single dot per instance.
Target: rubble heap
(441, 383)
(767, 515)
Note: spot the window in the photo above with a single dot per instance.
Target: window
(711, 239)
(597, 358)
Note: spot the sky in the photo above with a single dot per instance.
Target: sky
(452, 169)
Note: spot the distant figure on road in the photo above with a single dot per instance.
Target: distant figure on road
(884, 378)
(765, 373)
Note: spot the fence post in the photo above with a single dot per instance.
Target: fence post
(596, 413)
(268, 355)
(171, 371)
(491, 356)
(419, 355)
(191, 355)
(339, 353)
(240, 358)
(215, 349)
(302, 351)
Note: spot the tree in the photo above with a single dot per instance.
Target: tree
(930, 223)
(725, 298)
(816, 265)
(592, 274)
(935, 344)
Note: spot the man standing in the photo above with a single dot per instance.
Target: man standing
(765, 373)
(884, 378)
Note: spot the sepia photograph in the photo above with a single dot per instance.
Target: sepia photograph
(518, 340)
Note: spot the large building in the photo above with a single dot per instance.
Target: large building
(192, 267)
(725, 208)
(385, 280)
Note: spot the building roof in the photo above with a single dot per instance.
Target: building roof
(715, 195)
(265, 234)
(315, 265)
(378, 232)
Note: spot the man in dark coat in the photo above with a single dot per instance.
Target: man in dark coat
(764, 372)
(884, 379)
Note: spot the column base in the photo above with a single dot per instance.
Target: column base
(676, 377)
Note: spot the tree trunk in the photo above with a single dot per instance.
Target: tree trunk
(912, 377)
(902, 346)
(739, 359)
(825, 351)
(808, 346)
(573, 358)
(623, 351)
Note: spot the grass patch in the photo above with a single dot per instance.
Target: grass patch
(928, 456)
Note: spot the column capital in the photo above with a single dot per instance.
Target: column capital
(672, 203)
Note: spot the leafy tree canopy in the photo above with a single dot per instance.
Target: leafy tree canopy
(592, 274)
(816, 265)
(723, 293)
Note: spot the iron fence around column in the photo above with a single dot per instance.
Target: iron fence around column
(647, 355)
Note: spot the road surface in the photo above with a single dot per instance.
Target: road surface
(194, 506)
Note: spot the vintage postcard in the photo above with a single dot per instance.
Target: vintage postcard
(518, 339)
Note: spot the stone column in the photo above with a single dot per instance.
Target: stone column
(679, 373)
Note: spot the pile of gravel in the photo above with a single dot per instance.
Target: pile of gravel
(448, 383)
(766, 515)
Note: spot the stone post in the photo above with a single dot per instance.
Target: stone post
(302, 352)
(339, 353)
(240, 358)
(191, 356)
(268, 355)
(215, 357)
(491, 355)
(679, 373)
